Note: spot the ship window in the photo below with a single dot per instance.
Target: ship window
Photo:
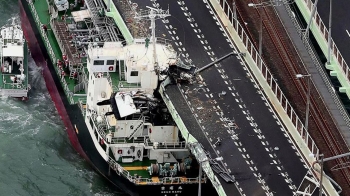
(99, 62)
(134, 73)
(117, 65)
(110, 62)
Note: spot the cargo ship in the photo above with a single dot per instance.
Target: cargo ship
(13, 62)
(106, 91)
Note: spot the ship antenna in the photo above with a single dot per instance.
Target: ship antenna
(153, 14)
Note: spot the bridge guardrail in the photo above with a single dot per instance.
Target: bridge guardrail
(315, 59)
(320, 32)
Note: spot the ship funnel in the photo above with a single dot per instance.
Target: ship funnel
(104, 102)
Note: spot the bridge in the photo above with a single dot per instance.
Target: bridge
(236, 103)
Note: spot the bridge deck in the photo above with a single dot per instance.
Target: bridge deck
(246, 125)
(194, 128)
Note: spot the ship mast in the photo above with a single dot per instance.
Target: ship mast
(153, 14)
(13, 29)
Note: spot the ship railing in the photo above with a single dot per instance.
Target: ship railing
(1, 45)
(98, 127)
(168, 180)
(83, 72)
(159, 40)
(119, 169)
(42, 32)
(12, 85)
(100, 74)
(101, 129)
(81, 103)
(124, 84)
(118, 140)
(165, 145)
(109, 79)
(106, 121)
(69, 93)
(179, 180)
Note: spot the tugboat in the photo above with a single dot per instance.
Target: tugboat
(13, 62)
(106, 90)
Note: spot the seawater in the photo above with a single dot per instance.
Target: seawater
(36, 157)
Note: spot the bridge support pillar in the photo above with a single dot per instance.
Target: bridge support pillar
(343, 89)
(333, 73)
(330, 66)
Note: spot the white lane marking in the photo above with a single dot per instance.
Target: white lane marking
(347, 32)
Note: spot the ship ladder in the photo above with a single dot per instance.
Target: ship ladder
(72, 74)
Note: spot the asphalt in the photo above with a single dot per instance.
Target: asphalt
(255, 146)
(192, 125)
(340, 15)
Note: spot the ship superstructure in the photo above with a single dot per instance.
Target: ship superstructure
(13, 62)
(131, 126)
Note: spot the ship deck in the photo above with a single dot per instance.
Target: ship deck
(68, 81)
(11, 88)
(138, 167)
(61, 46)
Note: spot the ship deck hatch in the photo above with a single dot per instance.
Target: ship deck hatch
(79, 16)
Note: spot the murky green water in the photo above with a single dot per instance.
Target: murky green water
(35, 154)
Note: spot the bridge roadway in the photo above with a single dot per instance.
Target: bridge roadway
(340, 24)
(255, 146)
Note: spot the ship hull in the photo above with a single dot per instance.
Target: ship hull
(41, 58)
(75, 125)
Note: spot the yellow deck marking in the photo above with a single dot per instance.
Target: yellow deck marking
(132, 168)
(143, 183)
(155, 179)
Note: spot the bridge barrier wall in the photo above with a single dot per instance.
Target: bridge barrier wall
(292, 122)
(113, 13)
(339, 67)
(192, 142)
